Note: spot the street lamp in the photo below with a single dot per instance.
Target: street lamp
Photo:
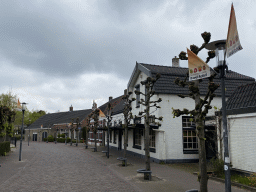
(220, 52)
(23, 111)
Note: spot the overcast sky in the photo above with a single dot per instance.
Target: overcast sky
(54, 53)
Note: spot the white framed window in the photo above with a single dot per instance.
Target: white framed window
(190, 142)
(137, 138)
(152, 138)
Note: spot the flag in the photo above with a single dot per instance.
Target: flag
(233, 43)
(198, 69)
(18, 104)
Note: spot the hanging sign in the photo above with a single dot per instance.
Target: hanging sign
(233, 43)
(198, 69)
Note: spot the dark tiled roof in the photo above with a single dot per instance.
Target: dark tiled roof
(58, 118)
(117, 104)
(244, 97)
(166, 83)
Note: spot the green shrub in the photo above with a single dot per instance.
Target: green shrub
(5, 147)
(18, 137)
(218, 167)
(74, 141)
(50, 138)
(45, 139)
(62, 135)
(61, 140)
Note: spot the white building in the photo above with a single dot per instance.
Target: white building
(175, 140)
(241, 117)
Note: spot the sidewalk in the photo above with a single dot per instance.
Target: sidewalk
(60, 167)
(164, 177)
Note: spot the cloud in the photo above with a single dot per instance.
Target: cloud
(57, 53)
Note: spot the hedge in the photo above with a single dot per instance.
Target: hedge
(4, 147)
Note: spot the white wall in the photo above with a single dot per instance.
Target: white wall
(242, 141)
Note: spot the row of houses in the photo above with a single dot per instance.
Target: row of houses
(175, 140)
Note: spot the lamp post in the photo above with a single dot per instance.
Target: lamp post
(23, 111)
(220, 52)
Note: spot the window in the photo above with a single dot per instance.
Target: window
(91, 136)
(190, 143)
(99, 136)
(152, 138)
(137, 87)
(137, 138)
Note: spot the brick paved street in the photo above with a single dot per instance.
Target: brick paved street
(60, 167)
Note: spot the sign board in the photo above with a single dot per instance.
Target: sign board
(198, 69)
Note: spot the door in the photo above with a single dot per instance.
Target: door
(210, 143)
(34, 136)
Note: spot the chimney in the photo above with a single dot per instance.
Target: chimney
(110, 98)
(175, 62)
(71, 108)
(125, 92)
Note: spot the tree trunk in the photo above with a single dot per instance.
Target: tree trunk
(125, 137)
(146, 137)
(95, 140)
(201, 146)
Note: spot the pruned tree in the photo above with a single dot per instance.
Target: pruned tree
(109, 118)
(149, 92)
(202, 107)
(127, 117)
(94, 127)
(77, 133)
(71, 131)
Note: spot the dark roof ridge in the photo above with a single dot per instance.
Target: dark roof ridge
(164, 66)
(68, 111)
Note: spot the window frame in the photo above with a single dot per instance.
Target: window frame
(189, 138)
(152, 140)
(137, 132)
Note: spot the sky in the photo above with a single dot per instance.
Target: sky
(58, 53)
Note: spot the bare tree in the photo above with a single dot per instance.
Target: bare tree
(95, 117)
(149, 92)
(127, 117)
(202, 106)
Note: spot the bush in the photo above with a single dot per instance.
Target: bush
(61, 140)
(218, 167)
(50, 138)
(18, 137)
(5, 147)
(62, 135)
(45, 139)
